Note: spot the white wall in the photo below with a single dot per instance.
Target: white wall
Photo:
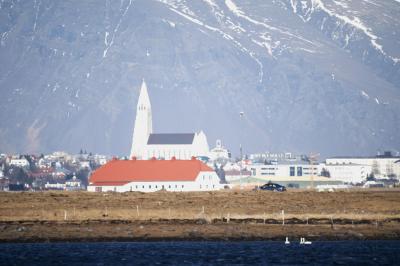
(180, 152)
(19, 162)
(205, 181)
(381, 166)
(350, 173)
(283, 170)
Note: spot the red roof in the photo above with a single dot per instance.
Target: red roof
(125, 171)
(110, 183)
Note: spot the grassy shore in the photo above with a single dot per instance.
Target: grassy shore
(83, 216)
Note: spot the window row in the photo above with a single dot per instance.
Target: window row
(157, 186)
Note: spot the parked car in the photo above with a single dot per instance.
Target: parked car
(271, 187)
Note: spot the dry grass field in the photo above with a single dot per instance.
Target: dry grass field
(231, 214)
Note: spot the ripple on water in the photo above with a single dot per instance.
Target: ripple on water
(202, 253)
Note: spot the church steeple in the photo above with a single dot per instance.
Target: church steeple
(143, 122)
(144, 100)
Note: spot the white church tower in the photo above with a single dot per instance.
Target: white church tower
(143, 123)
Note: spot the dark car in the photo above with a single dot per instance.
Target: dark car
(272, 187)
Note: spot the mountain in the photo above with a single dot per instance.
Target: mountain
(310, 76)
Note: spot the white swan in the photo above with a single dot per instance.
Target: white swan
(287, 241)
(304, 242)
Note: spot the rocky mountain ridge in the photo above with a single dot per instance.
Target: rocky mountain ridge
(312, 75)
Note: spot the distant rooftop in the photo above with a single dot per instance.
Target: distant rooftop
(119, 172)
(366, 157)
(171, 139)
(385, 155)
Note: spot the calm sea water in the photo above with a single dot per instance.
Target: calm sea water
(203, 253)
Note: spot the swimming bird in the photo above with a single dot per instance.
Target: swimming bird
(304, 242)
(287, 241)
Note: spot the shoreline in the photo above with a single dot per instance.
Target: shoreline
(199, 216)
(195, 230)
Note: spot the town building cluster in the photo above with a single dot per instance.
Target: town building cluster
(183, 162)
(305, 171)
(163, 161)
(83, 171)
(56, 171)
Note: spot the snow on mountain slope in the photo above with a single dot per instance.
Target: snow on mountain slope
(350, 22)
(310, 75)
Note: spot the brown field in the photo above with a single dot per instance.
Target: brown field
(42, 216)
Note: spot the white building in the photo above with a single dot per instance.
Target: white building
(73, 184)
(373, 184)
(396, 168)
(44, 163)
(19, 162)
(219, 152)
(154, 175)
(294, 174)
(273, 171)
(60, 156)
(84, 164)
(383, 166)
(100, 159)
(348, 173)
(54, 186)
(146, 144)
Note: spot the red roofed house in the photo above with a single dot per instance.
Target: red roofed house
(153, 175)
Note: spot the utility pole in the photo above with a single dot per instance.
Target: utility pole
(241, 114)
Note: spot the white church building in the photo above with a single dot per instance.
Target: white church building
(146, 144)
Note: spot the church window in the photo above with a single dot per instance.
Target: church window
(182, 186)
(143, 186)
(149, 186)
(169, 186)
(200, 186)
(176, 186)
(136, 186)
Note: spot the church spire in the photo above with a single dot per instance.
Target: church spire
(143, 122)
(144, 100)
